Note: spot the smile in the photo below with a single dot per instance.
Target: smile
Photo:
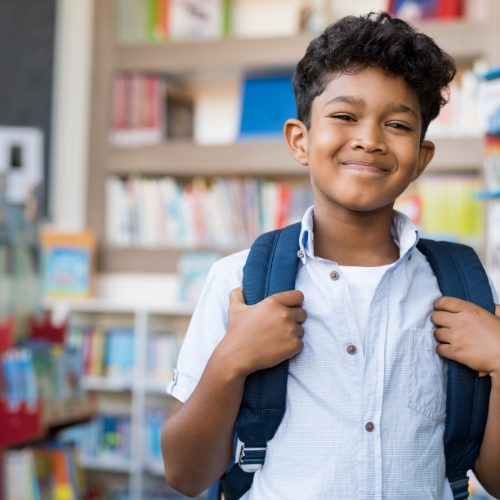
(365, 167)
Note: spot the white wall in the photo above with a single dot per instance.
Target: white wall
(72, 84)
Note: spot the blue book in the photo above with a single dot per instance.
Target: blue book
(268, 102)
(120, 352)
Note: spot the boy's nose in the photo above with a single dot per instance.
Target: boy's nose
(370, 140)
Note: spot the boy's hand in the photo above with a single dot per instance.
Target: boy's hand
(265, 334)
(468, 334)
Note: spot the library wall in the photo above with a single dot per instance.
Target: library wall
(27, 38)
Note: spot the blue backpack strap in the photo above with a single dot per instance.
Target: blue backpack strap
(271, 268)
(460, 274)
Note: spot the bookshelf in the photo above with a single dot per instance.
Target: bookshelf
(133, 395)
(465, 40)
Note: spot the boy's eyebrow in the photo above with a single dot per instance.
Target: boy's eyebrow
(398, 107)
(349, 99)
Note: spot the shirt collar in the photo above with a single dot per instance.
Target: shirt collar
(404, 233)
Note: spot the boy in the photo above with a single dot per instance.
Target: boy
(366, 388)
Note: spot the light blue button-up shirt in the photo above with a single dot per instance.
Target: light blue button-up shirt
(396, 385)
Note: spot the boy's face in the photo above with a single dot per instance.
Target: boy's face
(363, 146)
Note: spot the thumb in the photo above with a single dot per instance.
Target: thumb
(236, 297)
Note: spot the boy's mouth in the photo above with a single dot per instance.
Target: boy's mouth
(362, 166)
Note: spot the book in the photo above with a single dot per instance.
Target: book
(179, 112)
(427, 9)
(68, 264)
(153, 424)
(188, 19)
(119, 356)
(266, 105)
(163, 351)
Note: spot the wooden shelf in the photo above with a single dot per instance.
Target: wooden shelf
(212, 55)
(67, 412)
(108, 384)
(186, 158)
(464, 40)
(262, 158)
(141, 260)
(108, 464)
(457, 155)
(99, 305)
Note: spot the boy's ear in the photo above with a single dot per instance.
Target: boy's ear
(296, 138)
(425, 155)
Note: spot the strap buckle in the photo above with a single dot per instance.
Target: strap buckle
(252, 459)
(460, 488)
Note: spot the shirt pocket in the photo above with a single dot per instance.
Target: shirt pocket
(427, 375)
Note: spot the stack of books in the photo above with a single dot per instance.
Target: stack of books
(40, 371)
(445, 207)
(41, 473)
(138, 100)
(461, 116)
(108, 437)
(222, 214)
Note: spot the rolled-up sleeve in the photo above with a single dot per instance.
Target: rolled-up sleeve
(208, 324)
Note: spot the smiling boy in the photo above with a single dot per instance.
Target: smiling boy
(366, 391)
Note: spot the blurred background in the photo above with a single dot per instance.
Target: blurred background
(141, 140)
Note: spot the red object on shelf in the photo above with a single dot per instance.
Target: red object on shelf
(19, 425)
(450, 9)
(6, 334)
(46, 330)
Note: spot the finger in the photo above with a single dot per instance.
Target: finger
(443, 335)
(236, 296)
(301, 346)
(451, 304)
(443, 318)
(298, 314)
(444, 350)
(300, 331)
(292, 298)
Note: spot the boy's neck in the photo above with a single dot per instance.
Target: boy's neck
(352, 238)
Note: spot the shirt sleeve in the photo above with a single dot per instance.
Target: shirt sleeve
(208, 324)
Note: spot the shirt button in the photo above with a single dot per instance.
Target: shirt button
(409, 257)
(369, 426)
(334, 275)
(351, 349)
(300, 254)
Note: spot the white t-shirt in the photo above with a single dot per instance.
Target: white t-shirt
(363, 282)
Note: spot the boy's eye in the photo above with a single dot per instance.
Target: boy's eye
(399, 126)
(344, 117)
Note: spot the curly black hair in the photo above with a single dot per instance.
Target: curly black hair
(353, 43)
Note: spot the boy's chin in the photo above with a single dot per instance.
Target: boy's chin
(358, 204)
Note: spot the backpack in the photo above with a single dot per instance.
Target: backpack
(271, 268)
